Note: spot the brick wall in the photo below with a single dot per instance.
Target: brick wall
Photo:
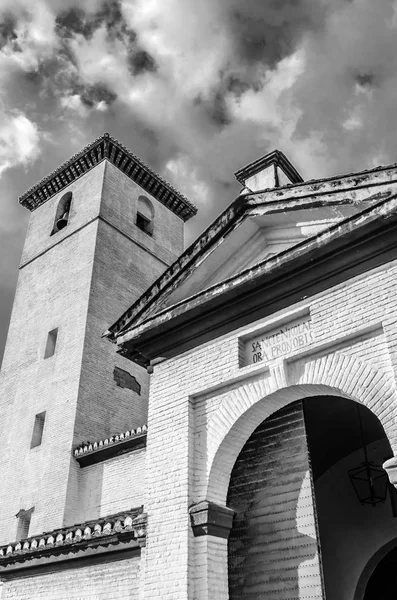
(31, 384)
(119, 205)
(112, 486)
(273, 545)
(126, 262)
(205, 396)
(116, 580)
(78, 280)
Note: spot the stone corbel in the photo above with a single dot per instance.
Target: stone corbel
(208, 518)
(390, 466)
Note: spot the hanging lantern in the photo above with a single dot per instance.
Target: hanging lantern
(370, 482)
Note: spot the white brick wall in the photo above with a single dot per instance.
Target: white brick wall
(116, 580)
(205, 395)
(112, 486)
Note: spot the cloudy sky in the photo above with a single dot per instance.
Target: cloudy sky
(196, 88)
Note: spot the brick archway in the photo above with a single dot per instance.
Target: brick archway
(246, 407)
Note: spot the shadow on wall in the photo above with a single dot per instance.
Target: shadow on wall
(273, 548)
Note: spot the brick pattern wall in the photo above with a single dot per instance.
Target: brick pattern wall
(79, 281)
(273, 542)
(126, 262)
(30, 384)
(85, 206)
(104, 581)
(227, 403)
(112, 486)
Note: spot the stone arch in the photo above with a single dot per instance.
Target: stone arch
(371, 566)
(244, 409)
(62, 213)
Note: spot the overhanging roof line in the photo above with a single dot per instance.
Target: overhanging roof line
(313, 187)
(107, 147)
(182, 267)
(382, 210)
(338, 198)
(179, 270)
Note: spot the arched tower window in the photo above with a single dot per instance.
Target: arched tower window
(62, 213)
(145, 215)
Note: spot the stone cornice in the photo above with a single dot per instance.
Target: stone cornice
(124, 526)
(89, 453)
(107, 147)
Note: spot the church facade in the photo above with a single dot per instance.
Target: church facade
(212, 423)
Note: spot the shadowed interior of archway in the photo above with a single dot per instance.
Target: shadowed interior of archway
(382, 584)
(333, 430)
(274, 545)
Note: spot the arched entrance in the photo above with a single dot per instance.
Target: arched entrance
(299, 528)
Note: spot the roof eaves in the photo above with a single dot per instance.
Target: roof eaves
(381, 210)
(101, 531)
(245, 203)
(180, 269)
(358, 178)
(89, 453)
(107, 147)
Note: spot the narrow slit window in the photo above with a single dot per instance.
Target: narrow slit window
(51, 343)
(62, 213)
(38, 428)
(145, 215)
(24, 517)
(144, 223)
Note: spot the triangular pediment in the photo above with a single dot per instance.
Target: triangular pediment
(255, 239)
(255, 228)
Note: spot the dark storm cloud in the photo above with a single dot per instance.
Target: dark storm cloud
(76, 21)
(140, 61)
(7, 30)
(365, 79)
(196, 89)
(214, 107)
(266, 32)
(92, 95)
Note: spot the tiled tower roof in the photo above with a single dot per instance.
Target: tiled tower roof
(111, 149)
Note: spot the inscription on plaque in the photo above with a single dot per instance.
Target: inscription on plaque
(280, 341)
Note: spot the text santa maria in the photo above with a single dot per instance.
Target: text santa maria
(280, 341)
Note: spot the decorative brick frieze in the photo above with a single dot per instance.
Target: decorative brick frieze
(123, 527)
(89, 453)
(208, 518)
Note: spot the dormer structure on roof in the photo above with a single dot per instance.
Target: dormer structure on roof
(271, 171)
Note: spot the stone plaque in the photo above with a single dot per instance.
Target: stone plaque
(279, 341)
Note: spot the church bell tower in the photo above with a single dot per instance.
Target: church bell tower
(103, 227)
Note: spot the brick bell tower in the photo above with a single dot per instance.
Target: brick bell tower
(103, 227)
